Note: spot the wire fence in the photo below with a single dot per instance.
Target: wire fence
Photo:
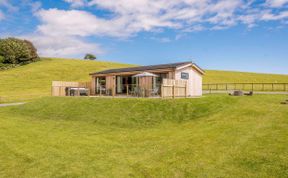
(269, 87)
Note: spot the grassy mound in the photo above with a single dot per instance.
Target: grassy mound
(122, 112)
(214, 136)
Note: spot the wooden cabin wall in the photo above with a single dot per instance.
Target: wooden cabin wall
(111, 84)
(146, 82)
(93, 86)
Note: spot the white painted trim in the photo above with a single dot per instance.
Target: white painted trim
(184, 66)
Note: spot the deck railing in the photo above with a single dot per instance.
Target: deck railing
(129, 90)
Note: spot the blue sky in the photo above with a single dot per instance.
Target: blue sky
(243, 35)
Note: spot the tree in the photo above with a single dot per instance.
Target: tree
(90, 57)
(1, 59)
(17, 51)
(33, 51)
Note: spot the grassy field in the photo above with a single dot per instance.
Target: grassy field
(34, 80)
(214, 76)
(213, 136)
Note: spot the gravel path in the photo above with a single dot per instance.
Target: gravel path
(255, 92)
(10, 104)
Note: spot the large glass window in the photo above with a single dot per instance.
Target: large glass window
(100, 85)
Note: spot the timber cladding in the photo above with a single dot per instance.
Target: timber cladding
(174, 88)
(111, 84)
(59, 87)
(145, 83)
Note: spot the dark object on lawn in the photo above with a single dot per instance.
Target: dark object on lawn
(236, 93)
(284, 102)
(249, 94)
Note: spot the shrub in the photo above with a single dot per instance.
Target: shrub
(90, 57)
(16, 51)
(1, 59)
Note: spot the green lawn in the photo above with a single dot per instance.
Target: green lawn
(212, 136)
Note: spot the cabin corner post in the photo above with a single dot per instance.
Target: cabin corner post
(186, 89)
(93, 86)
(113, 85)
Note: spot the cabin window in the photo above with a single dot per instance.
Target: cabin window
(100, 85)
(184, 75)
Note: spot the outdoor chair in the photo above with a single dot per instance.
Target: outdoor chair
(154, 91)
(136, 91)
(236, 93)
(102, 90)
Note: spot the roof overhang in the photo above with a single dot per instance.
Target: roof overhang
(152, 68)
(197, 68)
(133, 72)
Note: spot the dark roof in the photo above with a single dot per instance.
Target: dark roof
(143, 68)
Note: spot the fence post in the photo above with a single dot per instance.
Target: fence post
(113, 90)
(162, 90)
(127, 92)
(186, 86)
(226, 86)
(173, 91)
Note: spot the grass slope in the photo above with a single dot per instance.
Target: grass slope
(213, 136)
(214, 76)
(34, 80)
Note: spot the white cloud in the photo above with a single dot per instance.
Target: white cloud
(276, 3)
(126, 18)
(76, 3)
(35, 6)
(130, 17)
(271, 16)
(162, 39)
(82, 23)
(8, 5)
(2, 17)
(64, 46)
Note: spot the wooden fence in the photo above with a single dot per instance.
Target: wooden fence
(59, 87)
(269, 87)
(174, 88)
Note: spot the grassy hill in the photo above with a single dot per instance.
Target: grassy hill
(34, 80)
(213, 136)
(214, 76)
